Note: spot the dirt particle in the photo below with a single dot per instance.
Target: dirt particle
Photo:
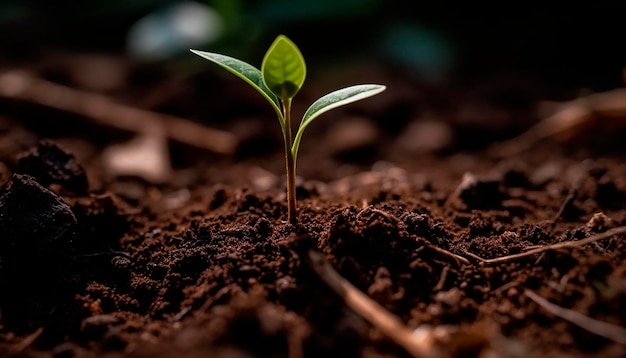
(599, 222)
(534, 234)
(121, 266)
(426, 227)
(219, 198)
(382, 288)
(285, 284)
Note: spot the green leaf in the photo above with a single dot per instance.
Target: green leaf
(333, 100)
(246, 72)
(283, 68)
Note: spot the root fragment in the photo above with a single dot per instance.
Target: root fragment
(602, 329)
(370, 310)
(577, 244)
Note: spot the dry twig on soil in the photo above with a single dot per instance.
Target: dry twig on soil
(457, 259)
(602, 329)
(370, 310)
(573, 117)
(370, 208)
(101, 110)
(577, 183)
(25, 343)
(557, 246)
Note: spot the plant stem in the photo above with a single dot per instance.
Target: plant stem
(290, 163)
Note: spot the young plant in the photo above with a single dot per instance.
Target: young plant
(281, 76)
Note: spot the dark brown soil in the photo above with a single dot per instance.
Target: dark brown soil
(203, 263)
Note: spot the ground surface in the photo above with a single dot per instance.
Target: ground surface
(195, 259)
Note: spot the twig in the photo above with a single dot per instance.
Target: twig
(370, 310)
(26, 342)
(505, 287)
(572, 116)
(104, 111)
(579, 176)
(557, 246)
(108, 253)
(396, 220)
(295, 336)
(442, 279)
(455, 257)
(372, 209)
(602, 329)
(571, 196)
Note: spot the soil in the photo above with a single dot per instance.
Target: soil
(400, 193)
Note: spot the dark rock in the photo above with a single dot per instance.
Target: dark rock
(514, 178)
(608, 194)
(479, 193)
(33, 219)
(49, 164)
(36, 231)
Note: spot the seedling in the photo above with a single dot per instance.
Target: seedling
(281, 77)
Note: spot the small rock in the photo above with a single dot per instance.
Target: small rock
(514, 179)
(381, 289)
(608, 194)
(49, 164)
(32, 218)
(479, 193)
(599, 222)
(36, 232)
(284, 284)
(451, 298)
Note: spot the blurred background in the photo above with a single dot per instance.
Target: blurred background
(573, 46)
(458, 76)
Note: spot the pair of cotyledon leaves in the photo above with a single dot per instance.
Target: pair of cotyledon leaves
(281, 76)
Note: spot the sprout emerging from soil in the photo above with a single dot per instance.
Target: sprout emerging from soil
(281, 76)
